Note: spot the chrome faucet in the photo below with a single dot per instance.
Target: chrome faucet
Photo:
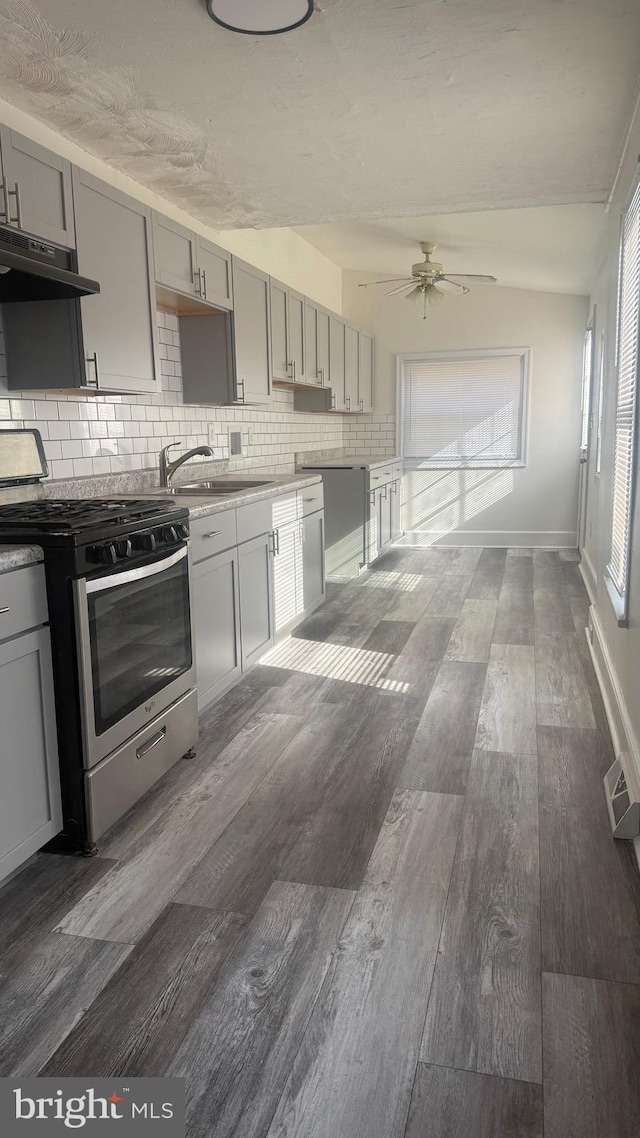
(168, 469)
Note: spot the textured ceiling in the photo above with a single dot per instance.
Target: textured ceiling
(550, 248)
(373, 109)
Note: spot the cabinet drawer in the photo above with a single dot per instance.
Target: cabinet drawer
(23, 600)
(284, 509)
(212, 534)
(380, 475)
(398, 470)
(254, 520)
(310, 499)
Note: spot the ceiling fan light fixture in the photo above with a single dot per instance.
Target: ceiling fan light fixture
(260, 17)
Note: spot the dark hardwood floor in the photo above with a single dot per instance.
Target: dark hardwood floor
(383, 901)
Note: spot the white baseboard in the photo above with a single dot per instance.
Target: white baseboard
(589, 575)
(625, 740)
(537, 539)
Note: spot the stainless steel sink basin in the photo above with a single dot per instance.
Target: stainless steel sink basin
(214, 487)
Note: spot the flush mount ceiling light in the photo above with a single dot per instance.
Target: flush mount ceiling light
(260, 17)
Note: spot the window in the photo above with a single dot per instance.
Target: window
(600, 405)
(587, 372)
(463, 408)
(625, 426)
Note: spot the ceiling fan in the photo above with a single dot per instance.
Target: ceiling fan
(429, 282)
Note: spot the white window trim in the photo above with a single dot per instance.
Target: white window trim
(620, 601)
(467, 354)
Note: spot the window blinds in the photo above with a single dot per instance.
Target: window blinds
(466, 410)
(628, 330)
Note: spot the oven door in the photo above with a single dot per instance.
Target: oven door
(135, 649)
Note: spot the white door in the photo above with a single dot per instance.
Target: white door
(586, 426)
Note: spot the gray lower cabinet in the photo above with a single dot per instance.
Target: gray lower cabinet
(216, 624)
(395, 492)
(36, 189)
(251, 333)
(255, 570)
(385, 500)
(287, 571)
(114, 238)
(30, 810)
(313, 582)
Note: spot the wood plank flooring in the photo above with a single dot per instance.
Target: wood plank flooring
(383, 899)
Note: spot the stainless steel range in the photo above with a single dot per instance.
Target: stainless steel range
(118, 586)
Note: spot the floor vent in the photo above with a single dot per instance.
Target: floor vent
(623, 798)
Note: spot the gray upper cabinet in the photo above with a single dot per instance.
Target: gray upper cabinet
(115, 248)
(296, 335)
(189, 264)
(312, 371)
(337, 363)
(365, 372)
(251, 333)
(322, 333)
(207, 358)
(280, 368)
(214, 273)
(351, 368)
(36, 185)
(175, 260)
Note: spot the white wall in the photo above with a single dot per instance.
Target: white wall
(617, 650)
(279, 252)
(534, 505)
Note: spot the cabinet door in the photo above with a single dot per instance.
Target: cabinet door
(115, 248)
(351, 367)
(313, 587)
(216, 621)
(30, 811)
(174, 249)
(322, 334)
(395, 493)
(280, 368)
(287, 576)
(365, 372)
(251, 333)
(296, 335)
(311, 371)
(38, 189)
(256, 611)
(214, 273)
(385, 498)
(336, 363)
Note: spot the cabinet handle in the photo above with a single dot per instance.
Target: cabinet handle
(274, 542)
(197, 282)
(5, 199)
(93, 360)
(322, 377)
(17, 220)
(204, 283)
(239, 397)
(7, 608)
(214, 533)
(333, 402)
(348, 402)
(361, 404)
(151, 743)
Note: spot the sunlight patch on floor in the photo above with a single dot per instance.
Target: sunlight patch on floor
(398, 582)
(335, 662)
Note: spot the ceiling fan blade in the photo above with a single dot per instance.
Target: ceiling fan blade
(392, 280)
(414, 294)
(451, 286)
(479, 278)
(400, 288)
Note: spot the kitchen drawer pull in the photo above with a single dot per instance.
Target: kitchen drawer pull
(5, 199)
(239, 397)
(204, 283)
(17, 220)
(7, 608)
(313, 498)
(151, 743)
(213, 533)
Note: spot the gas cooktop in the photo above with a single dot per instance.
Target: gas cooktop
(77, 515)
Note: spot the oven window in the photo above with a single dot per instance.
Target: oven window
(140, 636)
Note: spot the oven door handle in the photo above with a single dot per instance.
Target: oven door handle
(113, 580)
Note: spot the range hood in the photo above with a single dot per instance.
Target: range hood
(31, 269)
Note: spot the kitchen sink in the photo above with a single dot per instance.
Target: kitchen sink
(214, 487)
